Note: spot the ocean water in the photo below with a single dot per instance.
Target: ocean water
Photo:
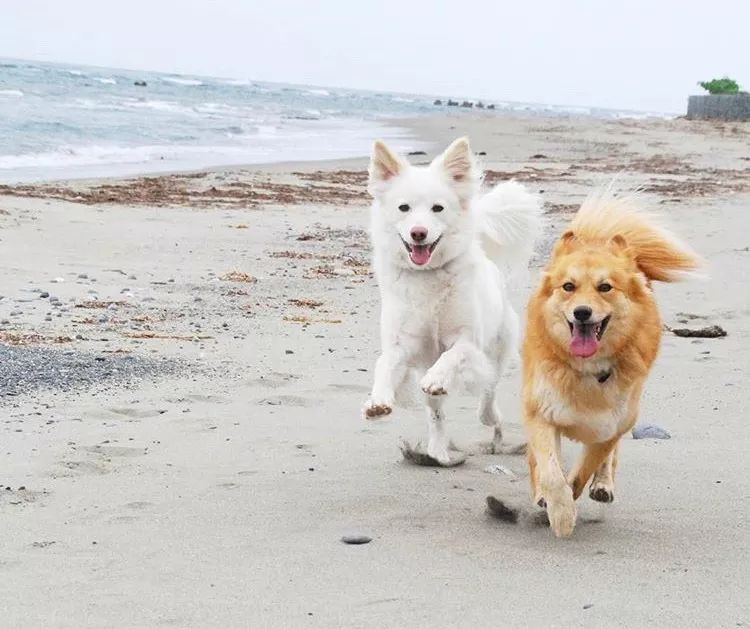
(65, 121)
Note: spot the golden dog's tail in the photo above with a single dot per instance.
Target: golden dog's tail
(658, 253)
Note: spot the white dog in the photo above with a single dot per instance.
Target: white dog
(442, 254)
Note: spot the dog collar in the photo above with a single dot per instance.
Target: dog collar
(603, 376)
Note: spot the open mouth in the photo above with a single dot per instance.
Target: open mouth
(585, 337)
(421, 254)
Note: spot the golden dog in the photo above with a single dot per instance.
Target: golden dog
(593, 332)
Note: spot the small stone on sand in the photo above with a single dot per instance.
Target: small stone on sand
(356, 539)
(650, 431)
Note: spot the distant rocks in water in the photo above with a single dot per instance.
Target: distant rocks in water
(416, 153)
(140, 83)
(650, 431)
(467, 103)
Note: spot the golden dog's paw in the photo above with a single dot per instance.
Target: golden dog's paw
(562, 519)
(601, 492)
(561, 512)
(374, 410)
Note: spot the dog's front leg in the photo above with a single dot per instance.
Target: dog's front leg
(544, 440)
(465, 358)
(390, 369)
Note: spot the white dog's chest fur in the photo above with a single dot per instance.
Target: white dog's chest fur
(604, 424)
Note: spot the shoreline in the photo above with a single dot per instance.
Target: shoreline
(407, 134)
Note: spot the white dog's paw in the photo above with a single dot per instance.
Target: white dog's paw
(377, 409)
(418, 456)
(439, 452)
(561, 512)
(434, 384)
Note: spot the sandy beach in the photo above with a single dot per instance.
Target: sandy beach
(184, 360)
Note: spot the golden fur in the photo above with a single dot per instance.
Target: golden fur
(605, 262)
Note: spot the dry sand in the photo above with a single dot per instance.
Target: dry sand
(215, 493)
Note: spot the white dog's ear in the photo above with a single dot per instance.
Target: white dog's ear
(384, 166)
(458, 163)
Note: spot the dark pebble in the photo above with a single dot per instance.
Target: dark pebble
(588, 605)
(356, 539)
(44, 295)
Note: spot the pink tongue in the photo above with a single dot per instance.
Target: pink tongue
(583, 345)
(420, 254)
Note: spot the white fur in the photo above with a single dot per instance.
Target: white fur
(449, 322)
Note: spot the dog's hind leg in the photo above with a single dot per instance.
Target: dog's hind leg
(439, 450)
(490, 416)
(489, 413)
(602, 488)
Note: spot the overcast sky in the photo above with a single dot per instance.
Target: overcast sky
(622, 54)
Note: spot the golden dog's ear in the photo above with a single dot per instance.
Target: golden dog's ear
(565, 244)
(618, 243)
(619, 246)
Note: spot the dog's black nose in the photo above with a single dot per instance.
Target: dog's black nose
(418, 234)
(582, 313)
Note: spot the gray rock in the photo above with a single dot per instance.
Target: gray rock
(650, 431)
(44, 294)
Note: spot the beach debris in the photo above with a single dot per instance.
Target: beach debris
(95, 304)
(498, 469)
(306, 320)
(356, 539)
(306, 303)
(539, 156)
(238, 276)
(709, 332)
(650, 431)
(414, 153)
(140, 83)
(20, 339)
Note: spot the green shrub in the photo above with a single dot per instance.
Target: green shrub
(720, 86)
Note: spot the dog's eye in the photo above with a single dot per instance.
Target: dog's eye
(569, 287)
(404, 207)
(604, 287)
(437, 208)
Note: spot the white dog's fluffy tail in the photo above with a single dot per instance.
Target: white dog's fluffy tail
(509, 219)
